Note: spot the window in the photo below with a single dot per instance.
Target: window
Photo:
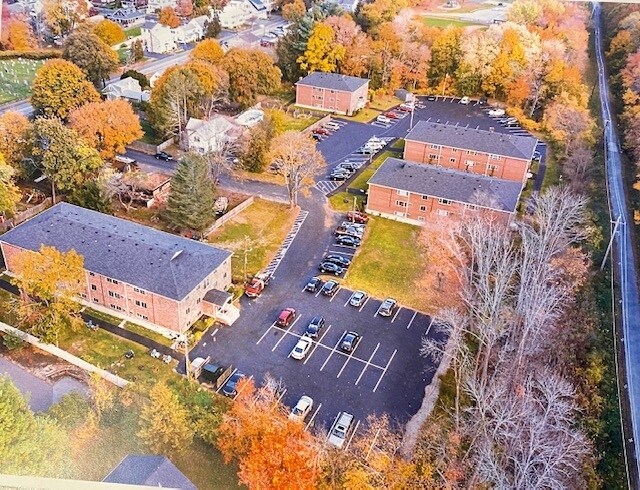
(95, 300)
(331, 99)
(420, 218)
(94, 287)
(433, 156)
(492, 169)
(141, 304)
(138, 290)
(436, 147)
(454, 150)
(113, 281)
(423, 208)
(442, 212)
(452, 160)
(83, 295)
(198, 301)
(140, 315)
(114, 295)
(446, 202)
(402, 204)
(91, 274)
(188, 310)
(400, 192)
(495, 157)
(470, 206)
(425, 197)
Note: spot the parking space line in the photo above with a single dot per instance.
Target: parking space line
(396, 315)
(347, 302)
(213, 334)
(238, 392)
(415, 313)
(384, 371)
(429, 327)
(368, 362)
(282, 394)
(319, 342)
(285, 333)
(266, 332)
(335, 294)
(348, 359)
(342, 252)
(352, 434)
(225, 381)
(332, 351)
(306, 427)
(365, 302)
(318, 293)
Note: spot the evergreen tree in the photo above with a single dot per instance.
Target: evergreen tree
(192, 194)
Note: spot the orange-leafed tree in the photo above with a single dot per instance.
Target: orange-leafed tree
(168, 17)
(272, 450)
(109, 32)
(19, 35)
(14, 138)
(208, 50)
(184, 8)
(108, 126)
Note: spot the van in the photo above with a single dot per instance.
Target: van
(340, 429)
(123, 159)
(331, 125)
(383, 119)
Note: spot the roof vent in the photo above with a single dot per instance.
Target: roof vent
(175, 255)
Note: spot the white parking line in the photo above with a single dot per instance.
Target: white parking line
(429, 327)
(384, 371)
(285, 334)
(368, 362)
(365, 302)
(335, 294)
(316, 344)
(312, 417)
(348, 359)
(332, 351)
(225, 381)
(412, 318)
(347, 302)
(318, 293)
(266, 332)
(282, 394)
(396, 315)
(213, 334)
(343, 252)
(352, 434)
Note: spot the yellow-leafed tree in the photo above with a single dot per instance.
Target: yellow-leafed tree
(109, 32)
(323, 53)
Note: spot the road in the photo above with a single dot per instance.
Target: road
(623, 263)
(249, 38)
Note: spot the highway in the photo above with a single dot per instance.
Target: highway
(623, 263)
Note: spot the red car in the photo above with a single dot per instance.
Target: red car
(286, 317)
(391, 115)
(322, 131)
(357, 217)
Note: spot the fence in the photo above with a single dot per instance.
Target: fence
(317, 124)
(25, 215)
(149, 148)
(227, 216)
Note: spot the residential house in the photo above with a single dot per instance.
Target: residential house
(192, 31)
(235, 14)
(127, 17)
(158, 38)
(150, 471)
(128, 88)
(333, 92)
(157, 5)
(415, 193)
(206, 136)
(477, 151)
(131, 270)
(147, 188)
(347, 5)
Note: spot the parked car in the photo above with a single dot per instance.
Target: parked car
(348, 240)
(496, 112)
(163, 155)
(230, 388)
(330, 288)
(358, 298)
(339, 176)
(330, 268)
(482, 100)
(383, 119)
(340, 429)
(266, 42)
(322, 131)
(537, 155)
(349, 230)
(314, 327)
(302, 408)
(464, 100)
(367, 150)
(349, 341)
(313, 285)
(286, 317)
(316, 137)
(391, 115)
(351, 166)
(357, 217)
(271, 35)
(387, 307)
(358, 226)
(337, 259)
(331, 126)
(301, 348)
(431, 97)
(405, 107)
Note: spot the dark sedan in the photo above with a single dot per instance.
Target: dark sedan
(230, 388)
(348, 240)
(330, 268)
(337, 259)
(313, 285)
(163, 155)
(314, 327)
(330, 288)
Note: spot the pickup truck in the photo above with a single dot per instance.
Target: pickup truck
(257, 285)
(197, 364)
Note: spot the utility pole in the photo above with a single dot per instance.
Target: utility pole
(613, 234)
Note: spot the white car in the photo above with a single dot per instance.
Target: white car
(464, 100)
(302, 408)
(383, 119)
(302, 347)
(340, 429)
(496, 112)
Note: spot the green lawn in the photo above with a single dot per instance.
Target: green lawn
(256, 233)
(133, 32)
(343, 202)
(360, 182)
(390, 262)
(445, 22)
(16, 77)
(384, 102)
(552, 173)
(363, 115)
(398, 144)
(298, 123)
(114, 320)
(150, 334)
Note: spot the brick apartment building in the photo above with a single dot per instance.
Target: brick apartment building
(489, 153)
(131, 269)
(416, 193)
(333, 92)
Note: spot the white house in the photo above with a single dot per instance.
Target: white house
(127, 88)
(157, 5)
(158, 38)
(127, 17)
(192, 31)
(206, 136)
(235, 14)
(348, 5)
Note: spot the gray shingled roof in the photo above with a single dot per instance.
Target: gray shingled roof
(443, 183)
(149, 470)
(474, 139)
(159, 262)
(333, 81)
(217, 297)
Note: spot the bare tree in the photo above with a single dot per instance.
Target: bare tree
(296, 157)
(223, 158)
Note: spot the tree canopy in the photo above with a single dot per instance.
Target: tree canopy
(95, 58)
(109, 32)
(251, 73)
(208, 50)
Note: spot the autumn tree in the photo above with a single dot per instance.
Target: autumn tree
(18, 35)
(164, 422)
(294, 11)
(255, 146)
(212, 28)
(60, 87)
(62, 156)
(215, 86)
(296, 157)
(49, 282)
(15, 132)
(62, 16)
(108, 126)
(30, 444)
(91, 54)
(568, 123)
(137, 50)
(445, 56)
(184, 8)
(141, 77)
(257, 421)
(9, 193)
(192, 194)
(109, 32)
(322, 53)
(251, 73)
(208, 50)
(379, 11)
(168, 17)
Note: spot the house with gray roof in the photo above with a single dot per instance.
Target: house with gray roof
(150, 471)
(127, 17)
(416, 193)
(490, 153)
(340, 94)
(132, 270)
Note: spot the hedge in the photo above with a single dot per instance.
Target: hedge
(41, 54)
